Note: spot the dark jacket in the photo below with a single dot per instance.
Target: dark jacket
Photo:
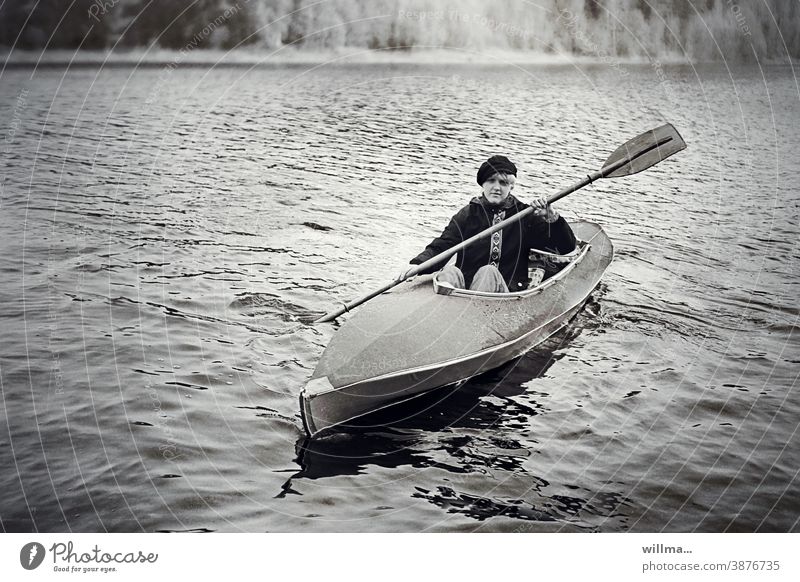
(518, 238)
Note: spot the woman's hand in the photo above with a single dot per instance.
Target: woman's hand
(403, 275)
(542, 209)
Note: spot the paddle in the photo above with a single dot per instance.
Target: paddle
(638, 154)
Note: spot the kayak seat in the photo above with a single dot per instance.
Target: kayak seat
(543, 264)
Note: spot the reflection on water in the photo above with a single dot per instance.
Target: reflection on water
(476, 424)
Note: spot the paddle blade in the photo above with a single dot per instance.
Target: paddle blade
(643, 151)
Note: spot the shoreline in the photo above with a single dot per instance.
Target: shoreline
(288, 56)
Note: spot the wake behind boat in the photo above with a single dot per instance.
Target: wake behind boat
(422, 336)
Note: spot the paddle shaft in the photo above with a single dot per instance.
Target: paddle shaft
(651, 148)
(501, 225)
(443, 256)
(511, 220)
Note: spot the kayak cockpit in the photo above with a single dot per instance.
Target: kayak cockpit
(557, 266)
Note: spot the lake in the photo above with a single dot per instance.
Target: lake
(168, 233)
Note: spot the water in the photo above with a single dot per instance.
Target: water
(168, 233)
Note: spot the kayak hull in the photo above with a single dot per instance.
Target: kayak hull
(413, 339)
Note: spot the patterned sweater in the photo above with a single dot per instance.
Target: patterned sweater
(509, 252)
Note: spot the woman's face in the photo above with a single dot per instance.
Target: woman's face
(497, 188)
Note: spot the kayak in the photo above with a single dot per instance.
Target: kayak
(423, 335)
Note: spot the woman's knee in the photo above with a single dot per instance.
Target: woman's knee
(452, 275)
(489, 279)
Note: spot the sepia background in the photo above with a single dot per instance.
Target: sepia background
(186, 184)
